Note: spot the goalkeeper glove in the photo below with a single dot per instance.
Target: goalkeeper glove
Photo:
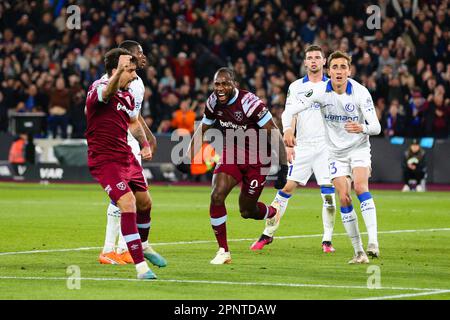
(282, 177)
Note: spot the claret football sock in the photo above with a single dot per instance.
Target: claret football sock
(143, 224)
(265, 212)
(131, 236)
(218, 215)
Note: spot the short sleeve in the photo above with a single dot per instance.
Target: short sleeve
(208, 117)
(256, 110)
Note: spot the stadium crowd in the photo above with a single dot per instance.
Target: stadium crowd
(46, 66)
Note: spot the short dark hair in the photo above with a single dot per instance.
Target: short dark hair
(129, 45)
(112, 59)
(337, 55)
(226, 70)
(314, 48)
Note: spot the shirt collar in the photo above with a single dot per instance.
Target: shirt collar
(348, 90)
(236, 93)
(306, 79)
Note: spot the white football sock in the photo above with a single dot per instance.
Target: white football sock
(142, 267)
(122, 244)
(112, 228)
(328, 215)
(283, 199)
(369, 214)
(350, 222)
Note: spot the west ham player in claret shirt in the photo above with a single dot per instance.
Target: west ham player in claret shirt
(239, 113)
(110, 113)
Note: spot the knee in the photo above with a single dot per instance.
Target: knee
(360, 188)
(345, 199)
(127, 203)
(217, 198)
(245, 213)
(144, 205)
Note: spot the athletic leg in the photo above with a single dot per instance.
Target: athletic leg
(361, 184)
(222, 184)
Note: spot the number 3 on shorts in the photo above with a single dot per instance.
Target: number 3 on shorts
(333, 169)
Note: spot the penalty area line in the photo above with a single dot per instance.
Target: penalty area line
(217, 282)
(230, 240)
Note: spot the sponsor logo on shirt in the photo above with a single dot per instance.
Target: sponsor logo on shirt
(229, 124)
(262, 113)
(309, 93)
(122, 107)
(339, 118)
(349, 107)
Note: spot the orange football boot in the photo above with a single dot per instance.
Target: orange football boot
(125, 257)
(110, 258)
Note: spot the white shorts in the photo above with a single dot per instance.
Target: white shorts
(341, 166)
(310, 159)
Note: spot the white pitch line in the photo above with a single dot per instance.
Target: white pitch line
(264, 284)
(230, 240)
(409, 295)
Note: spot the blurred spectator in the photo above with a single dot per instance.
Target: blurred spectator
(3, 114)
(58, 109)
(437, 118)
(184, 118)
(415, 114)
(32, 101)
(183, 69)
(187, 41)
(394, 123)
(414, 168)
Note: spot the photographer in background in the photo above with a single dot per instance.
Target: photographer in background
(414, 168)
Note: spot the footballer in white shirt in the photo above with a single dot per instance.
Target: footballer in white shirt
(310, 154)
(349, 116)
(109, 255)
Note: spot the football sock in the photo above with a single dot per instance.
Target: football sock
(265, 212)
(350, 222)
(218, 215)
(131, 236)
(143, 224)
(328, 212)
(121, 245)
(369, 214)
(283, 199)
(112, 227)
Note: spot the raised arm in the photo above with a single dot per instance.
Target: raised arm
(113, 83)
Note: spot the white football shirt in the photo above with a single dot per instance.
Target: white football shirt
(355, 104)
(310, 127)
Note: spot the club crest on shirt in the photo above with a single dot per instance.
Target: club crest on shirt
(238, 115)
(121, 186)
(349, 107)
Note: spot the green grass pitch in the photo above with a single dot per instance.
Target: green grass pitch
(64, 225)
